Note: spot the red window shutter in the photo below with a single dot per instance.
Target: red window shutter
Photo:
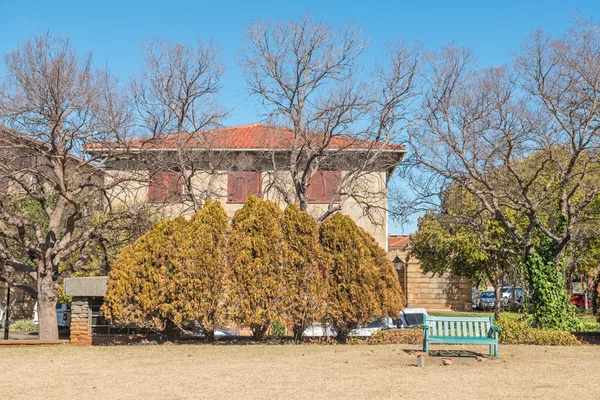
(324, 186)
(165, 186)
(173, 183)
(332, 185)
(316, 188)
(156, 190)
(242, 184)
(252, 182)
(235, 187)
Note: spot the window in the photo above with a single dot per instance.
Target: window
(324, 186)
(241, 184)
(165, 187)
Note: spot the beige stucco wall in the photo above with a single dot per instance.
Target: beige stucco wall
(131, 187)
(436, 293)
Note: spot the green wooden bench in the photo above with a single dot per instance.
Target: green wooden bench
(460, 330)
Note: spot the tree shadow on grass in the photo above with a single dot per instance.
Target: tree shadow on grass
(450, 353)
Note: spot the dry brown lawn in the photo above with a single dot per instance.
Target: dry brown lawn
(294, 372)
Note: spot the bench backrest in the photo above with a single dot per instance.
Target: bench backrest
(458, 326)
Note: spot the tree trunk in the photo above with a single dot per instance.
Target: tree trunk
(46, 305)
(584, 289)
(259, 331)
(595, 295)
(498, 302)
(298, 333)
(546, 280)
(210, 336)
(171, 332)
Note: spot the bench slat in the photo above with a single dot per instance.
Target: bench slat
(461, 340)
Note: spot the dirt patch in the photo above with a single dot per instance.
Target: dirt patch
(294, 372)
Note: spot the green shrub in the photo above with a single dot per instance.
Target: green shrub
(25, 325)
(277, 328)
(514, 331)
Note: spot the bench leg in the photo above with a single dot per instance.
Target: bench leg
(426, 347)
(494, 350)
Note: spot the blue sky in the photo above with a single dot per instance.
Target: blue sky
(113, 29)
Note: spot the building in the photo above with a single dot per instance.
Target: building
(433, 292)
(174, 172)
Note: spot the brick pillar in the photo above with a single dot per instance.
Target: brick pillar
(80, 322)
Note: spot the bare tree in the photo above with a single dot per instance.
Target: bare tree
(306, 75)
(56, 103)
(522, 139)
(176, 98)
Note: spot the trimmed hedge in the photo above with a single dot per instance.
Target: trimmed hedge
(513, 331)
(397, 336)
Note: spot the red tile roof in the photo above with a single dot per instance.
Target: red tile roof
(247, 137)
(398, 241)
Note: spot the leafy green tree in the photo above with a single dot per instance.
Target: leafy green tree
(304, 270)
(361, 282)
(255, 251)
(466, 242)
(200, 266)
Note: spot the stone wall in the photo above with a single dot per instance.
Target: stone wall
(80, 322)
(21, 303)
(434, 293)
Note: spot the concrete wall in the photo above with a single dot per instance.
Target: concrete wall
(372, 187)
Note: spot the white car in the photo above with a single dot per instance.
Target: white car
(63, 314)
(1, 317)
(408, 317)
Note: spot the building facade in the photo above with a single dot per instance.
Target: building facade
(174, 173)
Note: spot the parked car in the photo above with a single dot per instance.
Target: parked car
(577, 299)
(220, 331)
(487, 300)
(474, 297)
(1, 317)
(507, 294)
(63, 315)
(408, 317)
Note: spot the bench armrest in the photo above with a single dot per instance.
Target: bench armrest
(495, 328)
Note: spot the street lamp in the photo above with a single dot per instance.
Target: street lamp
(398, 264)
(400, 271)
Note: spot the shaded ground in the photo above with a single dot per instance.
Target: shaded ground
(63, 334)
(294, 372)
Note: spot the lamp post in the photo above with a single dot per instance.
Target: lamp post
(7, 312)
(399, 266)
